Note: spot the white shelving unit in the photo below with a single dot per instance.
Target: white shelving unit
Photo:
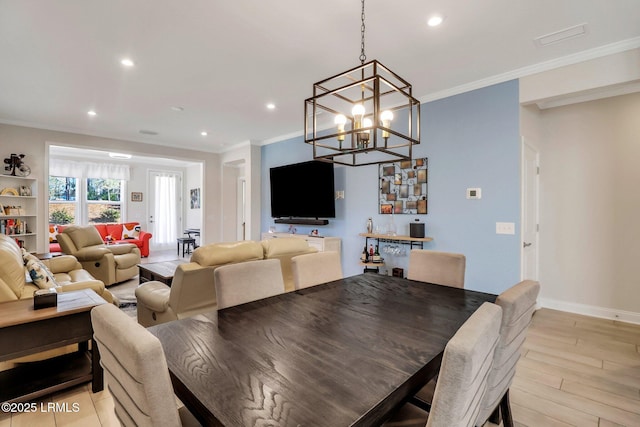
(19, 212)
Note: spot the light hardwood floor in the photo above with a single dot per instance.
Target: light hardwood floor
(575, 371)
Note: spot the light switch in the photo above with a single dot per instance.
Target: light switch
(505, 228)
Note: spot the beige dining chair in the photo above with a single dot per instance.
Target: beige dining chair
(465, 367)
(441, 268)
(314, 269)
(136, 371)
(518, 304)
(247, 281)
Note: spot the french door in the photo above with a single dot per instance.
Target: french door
(165, 208)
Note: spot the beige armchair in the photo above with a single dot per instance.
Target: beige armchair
(192, 290)
(108, 263)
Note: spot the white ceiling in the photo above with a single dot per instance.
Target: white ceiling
(222, 61)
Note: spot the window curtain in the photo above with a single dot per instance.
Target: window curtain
(59, 167)
(165, 230)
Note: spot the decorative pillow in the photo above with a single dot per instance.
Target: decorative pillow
(130, 231)
(53, 232)
(40, 274)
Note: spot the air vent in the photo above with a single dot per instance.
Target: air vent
(148, 132)
(562, 35)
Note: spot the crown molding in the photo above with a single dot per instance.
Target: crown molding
(575, 58)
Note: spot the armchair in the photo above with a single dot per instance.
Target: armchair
(108, 263)
(193, 289)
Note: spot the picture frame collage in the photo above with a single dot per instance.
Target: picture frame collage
(403, 187)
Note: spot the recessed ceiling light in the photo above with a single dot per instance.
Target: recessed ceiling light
(203, 133)
(148, 132)
(435, 20)
(127, 62)
(92, 113)
(177, 108)
(271, 106)
(119, 156)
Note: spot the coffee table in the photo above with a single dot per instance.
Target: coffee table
(25, 331)
(159, 271)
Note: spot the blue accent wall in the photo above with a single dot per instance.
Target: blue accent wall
(471, 140)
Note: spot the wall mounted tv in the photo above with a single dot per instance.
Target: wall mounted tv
(303, 193)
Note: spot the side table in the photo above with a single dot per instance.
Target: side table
(25, 331)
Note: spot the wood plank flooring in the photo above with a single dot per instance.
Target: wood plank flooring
(575, 371)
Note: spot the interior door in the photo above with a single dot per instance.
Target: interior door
(530, 220)
(165, 208)
(241, 209)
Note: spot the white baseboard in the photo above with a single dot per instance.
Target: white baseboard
(590, 310)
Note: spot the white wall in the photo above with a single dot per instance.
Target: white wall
(33, 143)
(193, 179)
(589, 205)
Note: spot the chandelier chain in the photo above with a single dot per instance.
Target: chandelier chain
(363, 57)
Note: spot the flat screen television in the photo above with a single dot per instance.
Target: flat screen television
(303, 190)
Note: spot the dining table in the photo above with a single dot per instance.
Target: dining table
(344, 353)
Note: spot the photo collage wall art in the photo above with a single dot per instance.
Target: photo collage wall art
(403, 187)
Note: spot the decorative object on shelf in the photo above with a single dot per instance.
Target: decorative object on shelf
(136, 196)
(25, 190)
(16, 166)
(370, 225)
(314, 232)
(416, 229)
(9, 192)
(376, 117)
(403, 187)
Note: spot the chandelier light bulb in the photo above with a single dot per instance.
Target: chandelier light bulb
(340, 120)
(358, 111)
(386, 116)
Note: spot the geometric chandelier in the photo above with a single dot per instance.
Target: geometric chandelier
(363, 116)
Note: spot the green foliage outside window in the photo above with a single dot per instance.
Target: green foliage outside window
(108, 215)
(62, 188)
(60, 216)
(103, 189)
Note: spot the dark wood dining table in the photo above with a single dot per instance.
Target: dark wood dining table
(344, 353)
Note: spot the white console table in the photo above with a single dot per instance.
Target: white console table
(322, 244)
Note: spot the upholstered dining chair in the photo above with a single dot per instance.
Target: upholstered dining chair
(462, 383)
(518, 304)
(136, 371)
(314, 269)
(441, 268)
(247, 281)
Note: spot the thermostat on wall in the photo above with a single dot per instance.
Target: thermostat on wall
(474, 193)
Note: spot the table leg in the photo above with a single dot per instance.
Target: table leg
(97, 382)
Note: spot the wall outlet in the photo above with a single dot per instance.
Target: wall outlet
(505, 228)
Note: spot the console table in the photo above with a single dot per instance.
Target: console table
(322, 244)
(25, 331)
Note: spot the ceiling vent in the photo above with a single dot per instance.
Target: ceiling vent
(562, 35)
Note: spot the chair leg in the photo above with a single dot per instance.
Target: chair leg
(505, 408)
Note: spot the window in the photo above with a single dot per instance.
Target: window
(104, 200)
(85, 201)
(63, 205)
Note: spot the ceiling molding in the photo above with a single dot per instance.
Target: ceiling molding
(586, 55)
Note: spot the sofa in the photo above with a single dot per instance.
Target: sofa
(66, 271)
(128, 232)
(111, 264)
(192, 290)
